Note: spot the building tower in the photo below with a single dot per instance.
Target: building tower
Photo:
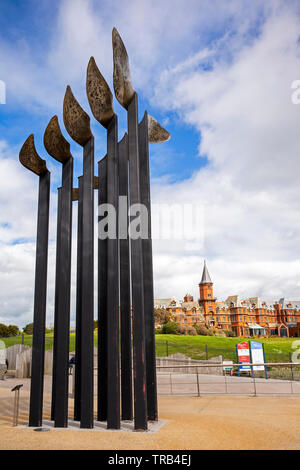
(207, 299)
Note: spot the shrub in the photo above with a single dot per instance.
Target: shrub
(191, 331)
(229, 334)
(220, 332)
(170, 328)
(158, 331)
(211, 332)
(201, 330)
(183, 330)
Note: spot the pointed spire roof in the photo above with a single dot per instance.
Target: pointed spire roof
(205, 275)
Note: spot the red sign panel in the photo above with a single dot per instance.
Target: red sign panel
(243, 352)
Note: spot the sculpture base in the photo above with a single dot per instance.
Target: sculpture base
(126, 426)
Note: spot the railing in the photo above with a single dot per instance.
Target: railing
(240, 382)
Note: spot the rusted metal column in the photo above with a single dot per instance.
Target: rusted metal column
(87, 312)
(78, 346)
(125, 310)
(138, 322)
(148, 271)
(31, 160)
(102, 297)
(59, 148)
(113, 355)
(77, 123)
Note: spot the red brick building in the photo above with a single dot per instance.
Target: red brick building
(247, 317)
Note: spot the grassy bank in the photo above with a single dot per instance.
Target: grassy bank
(200, 347)
(196, 347)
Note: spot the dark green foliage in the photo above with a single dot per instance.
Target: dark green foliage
(170, 328)
(28, 329)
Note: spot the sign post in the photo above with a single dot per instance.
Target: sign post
(258, 356)
(243, 356)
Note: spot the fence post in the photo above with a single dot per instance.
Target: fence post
(171, 383)
(22, 338)
(167, 348)
(254, 383)
(198, 384)
(292, 372)
(206, 350)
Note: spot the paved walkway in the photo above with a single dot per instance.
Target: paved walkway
(192, 423)
(190, 384)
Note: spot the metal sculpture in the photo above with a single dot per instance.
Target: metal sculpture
(59, 148)
(32, 161)
(77, 124)
(126, 342)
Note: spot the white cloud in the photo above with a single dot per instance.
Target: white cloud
(241, 107)
(250, 189)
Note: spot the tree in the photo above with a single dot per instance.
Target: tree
(170, 328)
(28, 329)
(13, 330)
(3, 331)
(161, 316)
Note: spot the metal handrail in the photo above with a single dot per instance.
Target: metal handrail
(222, 364)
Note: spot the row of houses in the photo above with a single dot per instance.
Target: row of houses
(245, 317)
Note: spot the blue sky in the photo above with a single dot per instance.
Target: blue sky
(31, 25)
(218, 76)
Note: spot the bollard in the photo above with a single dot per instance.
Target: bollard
(198, 383)
(16, 389)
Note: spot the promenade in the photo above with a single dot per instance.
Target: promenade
(208, 422)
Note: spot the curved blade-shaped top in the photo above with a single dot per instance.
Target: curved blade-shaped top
(99, 95)
(156, 133)
(29, 157)
(124, 90)
(76, 120)
(55, 143)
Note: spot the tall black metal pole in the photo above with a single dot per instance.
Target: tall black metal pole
(63, 302)
(39, 316)
(57, 290)
(78, 346)
(139, 357)
(125, 310)
(102, 299)
(87, 313)
(148, 272)
(113, 356)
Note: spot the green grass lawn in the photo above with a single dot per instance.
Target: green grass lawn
(276, 349)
